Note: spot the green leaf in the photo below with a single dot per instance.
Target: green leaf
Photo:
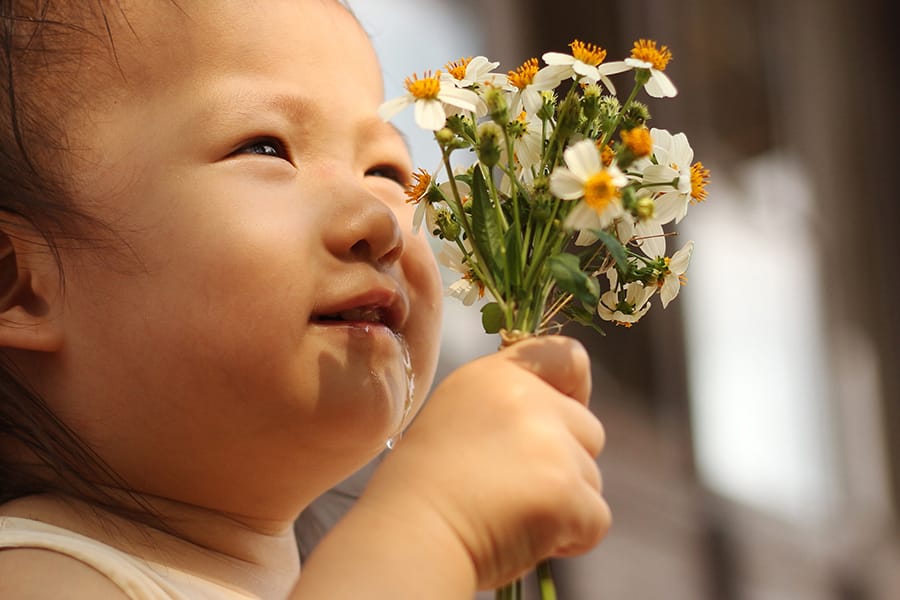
(615, 248)
(486, 232)
(491, 317)
(513, 245)
(566, 271)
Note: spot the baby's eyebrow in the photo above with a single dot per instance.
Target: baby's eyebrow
(241, 102)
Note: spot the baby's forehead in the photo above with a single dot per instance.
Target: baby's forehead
(156, 42)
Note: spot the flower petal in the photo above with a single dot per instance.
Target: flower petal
(587, 71)
(583, 159)
(460, 98)
(616, 66)
(418, 215)
(659, 174)
(653, 243)
(551, 76)
(625, 228)
(668, 208)
(682, 153)
(681, 259)
(451, 257)
(558, 58)
(637, 63)
(582, 217)
(608, 83)
(430, 114)
(670, 288)
(660, 86)
(390, 108)
(566, 185)
(478, 67)
(586, 237)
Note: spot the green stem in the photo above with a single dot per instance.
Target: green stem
(641, 77)
(514, 189)
(545, 580)
(510, 591)
(485, 276)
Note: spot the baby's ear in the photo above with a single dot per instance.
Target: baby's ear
(29, 292)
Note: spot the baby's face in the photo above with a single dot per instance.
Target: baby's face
(259, 337)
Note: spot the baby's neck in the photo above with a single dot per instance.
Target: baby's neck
(259, 557)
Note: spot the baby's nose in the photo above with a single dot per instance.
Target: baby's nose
(367, 230)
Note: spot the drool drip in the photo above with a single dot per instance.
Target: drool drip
(410, 395)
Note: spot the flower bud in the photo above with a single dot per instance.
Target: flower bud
(609, 108)
(461, 125)
(636, 115)
(444, 136)
(490, 137)
(592, 96)
(645, 208)
(569, 118)
(447, 227)
(548, 108)
(498, 108)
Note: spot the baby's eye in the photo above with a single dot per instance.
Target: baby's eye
(264, 147)
(388, 172)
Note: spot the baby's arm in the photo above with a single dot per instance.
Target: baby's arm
(496, 473)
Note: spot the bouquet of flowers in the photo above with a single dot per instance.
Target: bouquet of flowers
(561, 215)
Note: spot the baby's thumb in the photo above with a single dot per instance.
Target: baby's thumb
(560, 361)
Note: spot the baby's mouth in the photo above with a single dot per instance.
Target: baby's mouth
(363, 314)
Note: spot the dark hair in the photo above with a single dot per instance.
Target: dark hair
(37, 47)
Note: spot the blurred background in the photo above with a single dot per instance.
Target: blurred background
(751, 448)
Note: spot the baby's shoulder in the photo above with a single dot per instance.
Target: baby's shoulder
(38, 574)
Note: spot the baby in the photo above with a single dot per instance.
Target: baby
(213, 309)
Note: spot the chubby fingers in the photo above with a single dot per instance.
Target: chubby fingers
(563, 364)
(560, 361)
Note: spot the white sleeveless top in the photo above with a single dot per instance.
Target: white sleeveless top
(139, 579)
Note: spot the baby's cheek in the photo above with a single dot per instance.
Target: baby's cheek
(426, 298)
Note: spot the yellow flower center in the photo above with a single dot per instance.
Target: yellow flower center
(524, 75)
(415, 191)
(589, 54)
(426, 88)
(600, 191)
(607, 155)
(647, 51)
(638, 141)
(457, 68)
(699, 179)
(667, 272)
(470, 276)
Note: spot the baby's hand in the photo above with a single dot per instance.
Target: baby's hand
(502, 459)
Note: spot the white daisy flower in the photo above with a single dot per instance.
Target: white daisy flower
(527, 82)
(645, 55)
(585, 61)
(644, 229)
(451, 257)
(465, 289)
(430, 96)
(673, 155)
(671, 280)
(628, 311)
(473, 72)
(584, 176)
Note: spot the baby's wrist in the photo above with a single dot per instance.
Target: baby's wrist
(412, 522)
